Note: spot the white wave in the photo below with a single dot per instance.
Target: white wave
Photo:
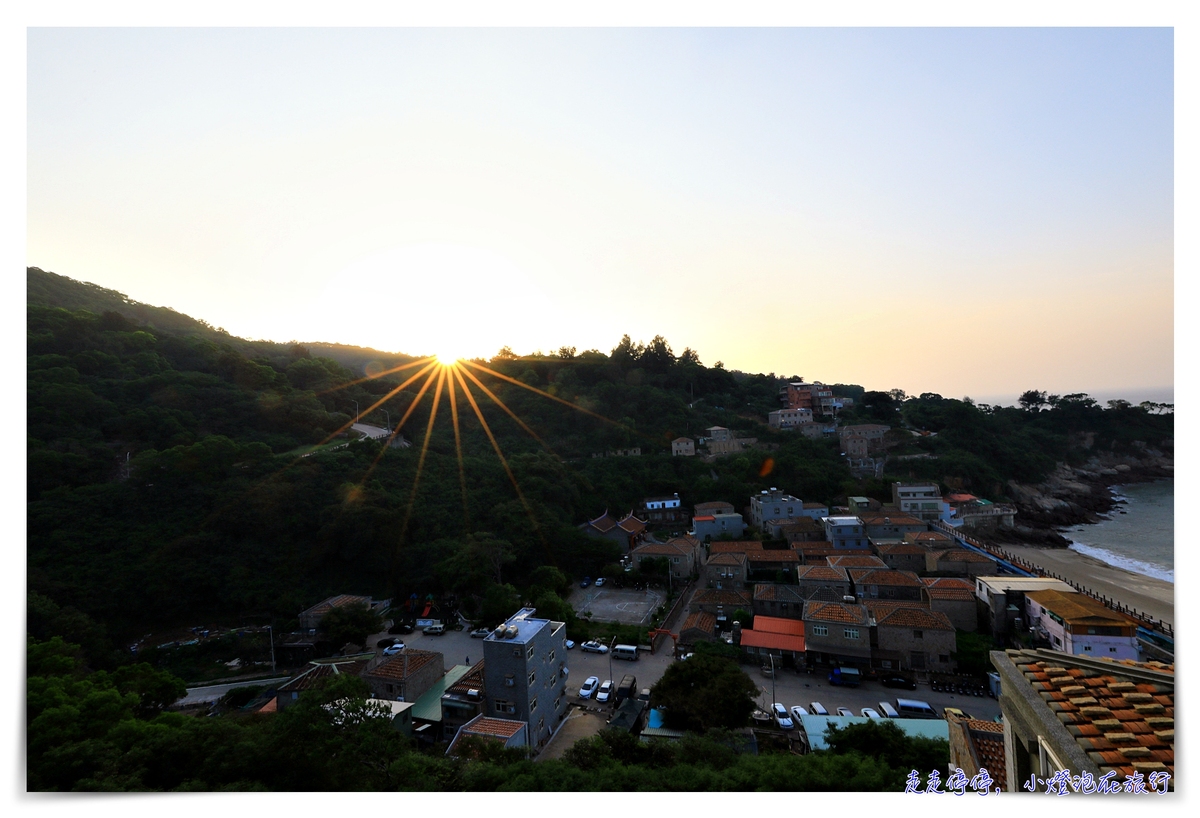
(1146, 569)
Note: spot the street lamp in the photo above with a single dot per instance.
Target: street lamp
(611, 642)
(355, 410)
(773, 699)
(389, 419)
(272, 636)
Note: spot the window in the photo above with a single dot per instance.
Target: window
(509, 680)
(517, 653)
(850, 633)
(533, 677)
(557, 702)
(886, 664)
(820, 630)
(529, 653)
(918, 634)
(505, 707)
(550, 658)
(1112, 650)
(533, 704)
(1087, 647)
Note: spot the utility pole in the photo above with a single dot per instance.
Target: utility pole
(389, 420)
(611, 642)
(271, 633)
(773, 699)
(355, 410)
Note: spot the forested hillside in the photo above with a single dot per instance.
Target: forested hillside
(166, 486)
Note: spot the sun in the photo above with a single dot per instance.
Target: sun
(448, 358)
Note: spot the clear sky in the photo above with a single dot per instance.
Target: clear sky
(964, 211)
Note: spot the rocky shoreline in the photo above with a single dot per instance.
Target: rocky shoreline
(1079, 495)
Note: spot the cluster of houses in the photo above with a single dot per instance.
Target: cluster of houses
(516, 694)
(872, 586)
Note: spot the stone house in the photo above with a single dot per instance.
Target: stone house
(837, 633)
(713, 507)
(901, 556)
(315, 675)
(683, 447)
(884, 583)
(849, 561)
(311, 619)
(823, 582)
(782, 601)
(681, 554)
(862, 440)
(955, 598)
(404, 677)
(725, 571)
(890, 526)
(700, 626)
(911, 638)
(721, 603)
(959, 562)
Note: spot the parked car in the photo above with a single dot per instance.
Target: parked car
(386, 643)
(848, 676)
(585, 582)
(782, 719)
(570, 644)
(954, 711)
(605, 691)
(392, 650)
(870, 713)
(599, 581)
(817, 709)
(845, 711)
(434, 630)
(797, 712)
(767, 671)
(895, 680)
(401, 627)
(592, 646)
(480, 633)
(589, 687)
(686, 656)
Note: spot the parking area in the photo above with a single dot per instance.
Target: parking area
(625, 606)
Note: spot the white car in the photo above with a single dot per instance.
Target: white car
(781, 716)
(605, 691)
(589, 687)
(817, 709)
(797, 712)
(599, 581)
(845, 711)
(570, 644)
(593, 647)
(870, 713)
(392, 650)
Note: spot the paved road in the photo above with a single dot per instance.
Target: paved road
(210, 693)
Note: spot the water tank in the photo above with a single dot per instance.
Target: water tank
(849, 599)
(472, 694)
(499, 632)
(510, 632)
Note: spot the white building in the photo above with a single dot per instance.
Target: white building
(1077, 624)
(846, 532)
(789, 418)
(921, 500)
(773, 505)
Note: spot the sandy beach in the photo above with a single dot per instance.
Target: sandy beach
(1156, 597)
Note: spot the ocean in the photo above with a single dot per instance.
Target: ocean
(1141, 540)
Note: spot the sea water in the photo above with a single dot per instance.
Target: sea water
(1141, 540)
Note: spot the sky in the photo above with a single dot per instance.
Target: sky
(963, 211)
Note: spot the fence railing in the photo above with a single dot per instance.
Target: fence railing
(1145, 619)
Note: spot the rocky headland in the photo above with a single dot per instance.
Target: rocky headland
(1077, 495)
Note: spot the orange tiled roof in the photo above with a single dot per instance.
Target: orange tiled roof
(777, 624)
(773, 555)
(773, 641)
(1123, 724)
(902, 548)
(500, 728)
(886, 576)
(740, 546)
(835, 612)
(856, 561)
(949, 588)
(700, 619)
(882, 607)
(604, 523)
(822, 573)
(906, 617)
(771, 592)
(727, 559)
(886, 518)
(404, 664)
(961, 555)
(631, 524)
(665, 549)
(315, 675)
(471, 680)
(987, 741)
(714, 596)
(929, 537)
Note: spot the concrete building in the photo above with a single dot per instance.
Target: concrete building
(837, 633)
(1102, 719)
(862, 440)
(776, 640)
(920, 500)
(663, 510)
(463, 700)
(901, 556)
(773, 505)
(525, 673)
(913, 638)
(315, 675)
(1001, 601)
(509, 733)
(959, 562)
(816, 397)
(881, 525)
(714, 526)
(683, 447)
(846, 533)
(1075, 623)
(712, 508)
(789, 418)
(718, 434)
(795, 529)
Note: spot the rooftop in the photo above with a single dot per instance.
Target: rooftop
(855, 561)
(773, 641)
(772, 592)
(822, 573)
(526, 624)
(1121, 714)
(1078, 609)
(713, 596)
(404, 664)
(961, 555)
(886, 518)
(429, 706)
(1002, 584)
(835, 612)
(904, 616)
(700, 619)
(775, 624)
(886, 576)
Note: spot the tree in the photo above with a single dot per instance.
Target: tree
(706, 691)
(1032, 401)
(351, 623)
(883, 740)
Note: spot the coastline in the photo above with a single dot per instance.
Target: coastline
(1153, 596)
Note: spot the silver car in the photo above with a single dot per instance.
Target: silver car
(589, 687)
(782, 718)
